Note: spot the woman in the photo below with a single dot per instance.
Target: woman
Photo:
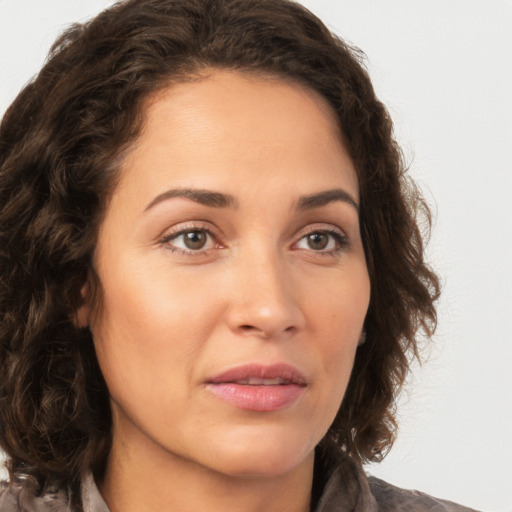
(212, 270)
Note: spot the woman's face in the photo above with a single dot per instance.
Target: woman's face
(234, 278)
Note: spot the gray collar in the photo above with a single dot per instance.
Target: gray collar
(343, 487)
(340, 485)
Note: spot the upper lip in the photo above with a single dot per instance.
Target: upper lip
(286, 374)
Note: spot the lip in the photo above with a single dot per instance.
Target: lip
(257, 387)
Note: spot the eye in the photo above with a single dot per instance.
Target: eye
(190, 240)
(322, 241)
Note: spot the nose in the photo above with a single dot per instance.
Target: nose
(265, 299)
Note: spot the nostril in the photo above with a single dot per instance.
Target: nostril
(252, 329)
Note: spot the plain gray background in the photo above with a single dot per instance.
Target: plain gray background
(444, 69)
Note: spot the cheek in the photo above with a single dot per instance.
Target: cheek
(151, 328)
(341, 305)
(154, 299)
(339, 315)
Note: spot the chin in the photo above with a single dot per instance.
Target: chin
(261, 454)
(261, 465)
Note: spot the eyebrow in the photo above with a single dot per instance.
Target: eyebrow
(205, 197)
(220, 200)
(323, 198)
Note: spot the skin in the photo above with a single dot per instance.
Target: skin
(258, 291)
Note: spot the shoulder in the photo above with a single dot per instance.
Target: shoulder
(393, 499)
(20, 497)
(344, 486)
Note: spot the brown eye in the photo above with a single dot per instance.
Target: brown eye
(195, 240)
(190, 241)
(322, 241)
(317, 241)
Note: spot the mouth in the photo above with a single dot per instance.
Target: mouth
(257, 381)
(259, 387)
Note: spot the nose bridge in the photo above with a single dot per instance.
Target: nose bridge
(265, 301)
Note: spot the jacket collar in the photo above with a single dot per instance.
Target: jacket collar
(340, 485)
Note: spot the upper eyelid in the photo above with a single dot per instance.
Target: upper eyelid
(338, 235)
(185, 227)
(320, 226)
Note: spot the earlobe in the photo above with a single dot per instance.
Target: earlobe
(82, 314)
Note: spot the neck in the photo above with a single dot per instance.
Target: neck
(143, 477)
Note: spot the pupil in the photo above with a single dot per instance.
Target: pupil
(318, 241)
(195, 239)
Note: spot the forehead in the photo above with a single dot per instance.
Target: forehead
(233, 130)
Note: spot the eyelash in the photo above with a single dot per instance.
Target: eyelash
(340, 239)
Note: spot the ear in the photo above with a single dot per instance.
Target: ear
(83, 313)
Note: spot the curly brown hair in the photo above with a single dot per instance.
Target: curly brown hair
(61, 144)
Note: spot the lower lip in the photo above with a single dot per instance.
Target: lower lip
(257, 398)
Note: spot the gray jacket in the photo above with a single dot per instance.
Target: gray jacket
(340, 485)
